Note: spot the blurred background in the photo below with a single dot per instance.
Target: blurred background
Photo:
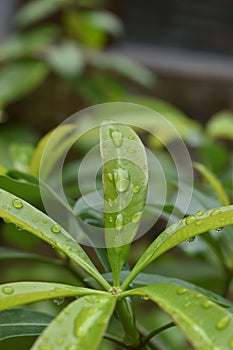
(60, 56)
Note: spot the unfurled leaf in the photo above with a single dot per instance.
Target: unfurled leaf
(23, 215)
(18, 79)
(125, 177)
(81, 325)
(221, 125)
(205, 324)
(66, 59)
(22, 322)
(185, 229)
(37, 10)
(20, 293)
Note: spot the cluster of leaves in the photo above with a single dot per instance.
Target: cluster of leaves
(66, 37)
(204, 317)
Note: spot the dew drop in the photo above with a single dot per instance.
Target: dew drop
(110, 218)
(199, 222)
(71, 347)
(60, 341)
(136, 189)
(231, 343)
(67, 311)
(56, 229)
(190, 219)
(121, 179)
(131, 150)
(207, 304)
(90, 299)
(5, 207)
(8, 290)
(223, 322)
(110, 177)
(45, 337)
(119, 222)
(45, 221)
(131, 137)
(191, 239)
(181, 290)
(145, 297)
(58, 301)
(187, 304)
(215, 212)
(17, 203)
(7, 221)
(117, 137)
(59, 319)
(45, 347)
(198, 296)
(136, 217)
(219, 229)
(199, 213)
(110, 203)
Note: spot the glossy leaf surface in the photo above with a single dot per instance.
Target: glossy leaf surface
(185, 229)
(23, 215)
(205, 324)
(22, 322)
(125, 177)
(79, 326)
(20, 293)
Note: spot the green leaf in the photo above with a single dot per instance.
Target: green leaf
(18, 79)
(214, 182)
(14, 254)
(19, 293)
(205, 324)
(185, 229)
(221, 125)
(79, 326)
(92, 28)
(125, 67)
(25, 216)
(125, 177)
(37, 10)
(22, 322)
(29, 43)
(66, 59)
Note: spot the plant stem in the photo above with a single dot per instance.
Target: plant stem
(125, 316)
(152, 343)
(147, 338)
(227, 283)
(115, 340)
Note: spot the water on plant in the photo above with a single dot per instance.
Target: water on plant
(117, 137)
(56, 229)
(58, 301)
(215, 212)
(136, 217)
(223, 322)
(17, 203)
(121, 179)
(8, 290)
(119, 222)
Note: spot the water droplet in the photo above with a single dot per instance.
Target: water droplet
(121, 179)
(199, 213)
(145, 297)
(117, 137)
(45, 337)
(131, 137)
(110, 203)
(59, 319)
(136, 189)
(56, 229)
(58, 301)
(231, 343)
(131, 150)
(223, 322)
(71, 347)
(119, 222)
(190, 219)
(8, 290)
(17, 203)
(110, 177)
(207, 304)
(7, 221)
(110, 218)
(215, 212)
(199, 222)
(67, 311)
(45, 221)
(136, 217)
(198, 296)
(90, 299)
(45, 347)
(5, 207)
(191, 239)
(219, 229)
(181, 290)
(60, 341)
(187, 304)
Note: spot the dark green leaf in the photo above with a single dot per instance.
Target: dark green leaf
(22, 322)
(79, 326)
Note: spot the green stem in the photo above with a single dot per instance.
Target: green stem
(125, 316)
(155, 332)
(227, 283)
(115, 340)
